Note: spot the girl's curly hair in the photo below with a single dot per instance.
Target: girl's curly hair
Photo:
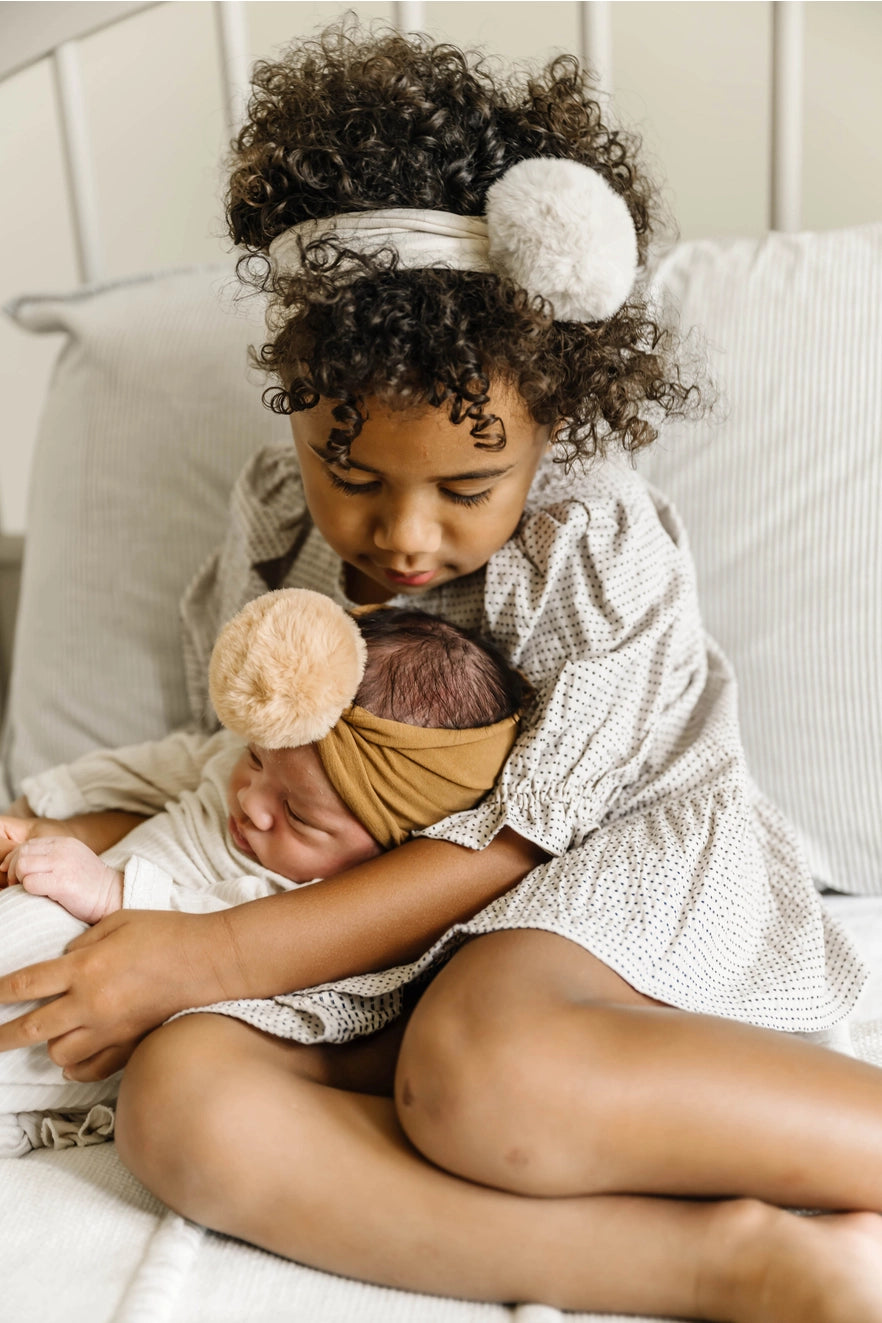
(352, 122)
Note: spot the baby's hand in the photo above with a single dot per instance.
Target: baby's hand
(16, 828)
(68, 872)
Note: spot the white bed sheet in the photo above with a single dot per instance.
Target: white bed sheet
(83, 1242)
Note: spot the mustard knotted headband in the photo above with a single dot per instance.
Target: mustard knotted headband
(397, 778)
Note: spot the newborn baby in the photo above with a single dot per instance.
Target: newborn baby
(342, 737)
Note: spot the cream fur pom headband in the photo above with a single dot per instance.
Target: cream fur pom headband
(553, 226)
(284, 669)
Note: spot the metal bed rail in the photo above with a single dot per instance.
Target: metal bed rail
(596, 39)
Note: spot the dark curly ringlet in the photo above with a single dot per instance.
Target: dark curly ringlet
(355, 121)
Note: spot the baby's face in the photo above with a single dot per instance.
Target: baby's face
(285, 813)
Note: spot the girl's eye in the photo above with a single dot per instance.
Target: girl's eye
(459, 498)
(253, 759)
(350, 488)
(291, 815)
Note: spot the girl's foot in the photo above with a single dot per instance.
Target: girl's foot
(784, 1268)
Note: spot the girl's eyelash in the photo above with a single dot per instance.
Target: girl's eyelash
(359, 488)
(459, 498)
(350, 488)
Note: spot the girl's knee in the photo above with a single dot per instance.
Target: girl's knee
(485, 1051)
(179, 1115)
(465, 1090)
(194, 1096)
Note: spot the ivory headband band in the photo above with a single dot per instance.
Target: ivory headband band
(420, 238)
(555, 227)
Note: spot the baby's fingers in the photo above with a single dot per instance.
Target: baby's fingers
(26, 860)
(42, 854)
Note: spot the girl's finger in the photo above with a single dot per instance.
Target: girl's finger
(71, 1050)
(53, 1020)
(101, 1065)
(36, 847)
(49, 978)
(39, 883)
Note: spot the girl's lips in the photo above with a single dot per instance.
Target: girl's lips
(238, 839)
(410, 580)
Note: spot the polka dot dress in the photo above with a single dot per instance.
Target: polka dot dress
(667, 862)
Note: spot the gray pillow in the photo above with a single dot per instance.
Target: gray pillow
(782, 496)
(151, 412)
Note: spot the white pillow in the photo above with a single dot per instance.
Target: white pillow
(151, 413)
(782, 496)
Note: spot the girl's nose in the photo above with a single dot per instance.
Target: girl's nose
(254, 808)
(407, 530)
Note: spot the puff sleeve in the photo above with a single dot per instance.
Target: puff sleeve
(594, 599)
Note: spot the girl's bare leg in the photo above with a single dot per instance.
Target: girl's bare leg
(530, 1066)
(235, 1130)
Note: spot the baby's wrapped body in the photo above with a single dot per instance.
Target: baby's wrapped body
(667, 862)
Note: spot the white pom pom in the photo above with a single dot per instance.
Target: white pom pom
(558, 229)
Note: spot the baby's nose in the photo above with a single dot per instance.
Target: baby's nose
(255, 809)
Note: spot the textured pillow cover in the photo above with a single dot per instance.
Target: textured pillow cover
(151, 412)
(782, 496)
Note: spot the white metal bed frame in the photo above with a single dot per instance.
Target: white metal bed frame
(596, 40)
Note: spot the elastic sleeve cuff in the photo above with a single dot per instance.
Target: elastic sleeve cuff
(550, 825)
(54, 794)
(146, 886)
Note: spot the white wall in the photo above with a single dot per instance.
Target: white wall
(692, 77)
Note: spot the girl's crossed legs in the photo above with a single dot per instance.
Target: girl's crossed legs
(540, 1106)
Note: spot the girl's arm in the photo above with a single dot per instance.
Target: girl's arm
(136, 968)
(97, 830)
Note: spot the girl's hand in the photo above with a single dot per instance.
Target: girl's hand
(68, 872)
(98, 830)
(20, 808)
(15, 828)
(18, 828)
(118, 981)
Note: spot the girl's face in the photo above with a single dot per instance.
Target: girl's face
(419, 504)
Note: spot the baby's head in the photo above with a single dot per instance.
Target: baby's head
(430, 723)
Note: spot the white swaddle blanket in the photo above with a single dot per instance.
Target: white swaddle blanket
(38, 1106)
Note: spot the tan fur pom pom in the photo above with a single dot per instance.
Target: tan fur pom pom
(285, 668)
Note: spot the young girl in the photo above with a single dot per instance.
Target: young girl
(589, 1106)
